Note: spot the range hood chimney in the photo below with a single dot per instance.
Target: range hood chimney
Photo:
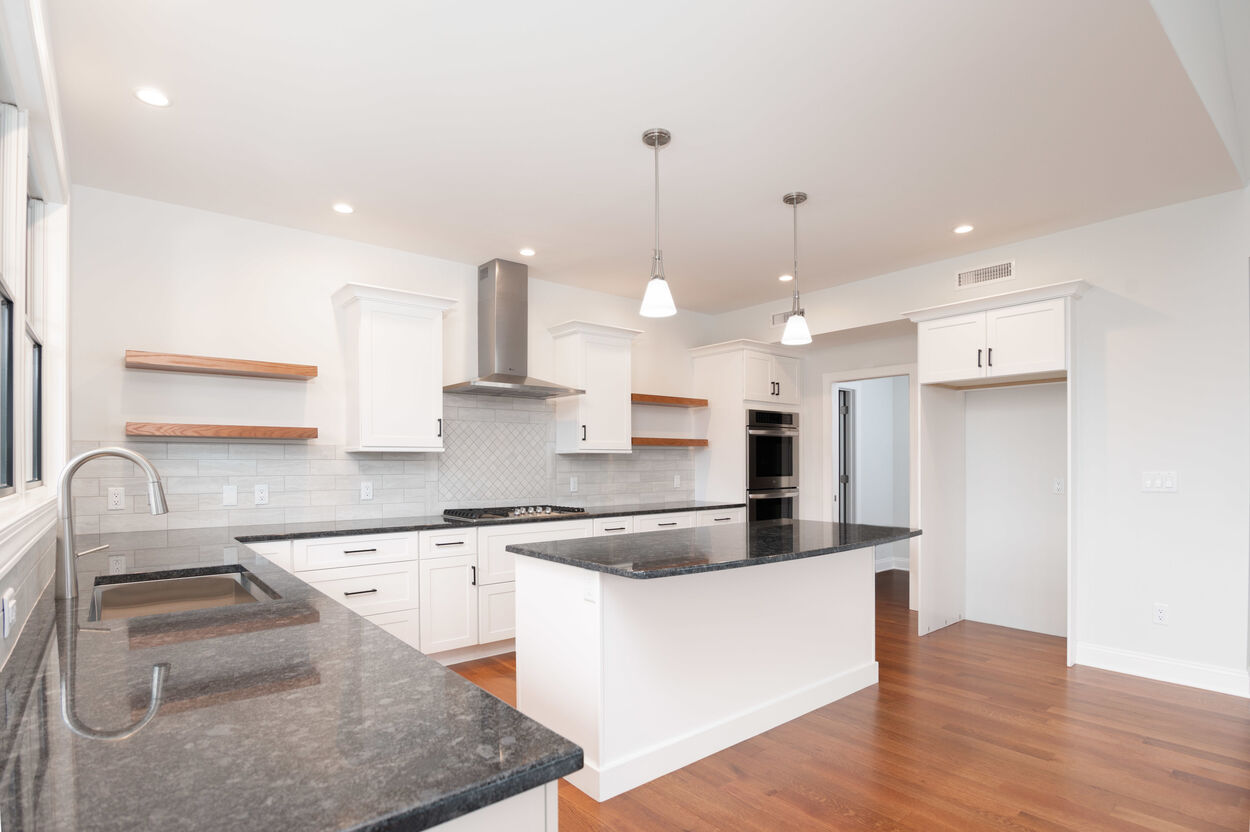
(503, 337)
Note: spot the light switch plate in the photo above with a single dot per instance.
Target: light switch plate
(261, 494)
(572, 484)
(1159, 482)
(229, 495)
(9, 602)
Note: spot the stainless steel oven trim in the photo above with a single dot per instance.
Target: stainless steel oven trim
(772, 493)
(772, 431)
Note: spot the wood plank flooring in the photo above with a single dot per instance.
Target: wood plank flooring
(972, 727)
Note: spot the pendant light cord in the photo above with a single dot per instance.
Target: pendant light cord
(656, 147)
(795, 205)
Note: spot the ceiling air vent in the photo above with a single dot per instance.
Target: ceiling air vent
(985, 274)
(780, 318)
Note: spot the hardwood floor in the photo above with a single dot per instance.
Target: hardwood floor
(971, 727)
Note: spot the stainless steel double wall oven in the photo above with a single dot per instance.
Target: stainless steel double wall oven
(772, 464)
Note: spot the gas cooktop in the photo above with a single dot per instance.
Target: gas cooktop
(511, 512)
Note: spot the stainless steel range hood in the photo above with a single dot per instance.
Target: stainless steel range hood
(503, 337)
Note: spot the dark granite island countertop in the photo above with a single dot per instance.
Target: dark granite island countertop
(288, 714)
(710, 548)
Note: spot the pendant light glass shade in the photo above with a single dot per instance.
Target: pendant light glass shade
(796, 333)
(657, 301)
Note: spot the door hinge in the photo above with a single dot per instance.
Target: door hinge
(844, 478)
(844, 410)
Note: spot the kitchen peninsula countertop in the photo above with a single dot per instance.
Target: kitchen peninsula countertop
(288, 714)
(339, 528)
(710, 548)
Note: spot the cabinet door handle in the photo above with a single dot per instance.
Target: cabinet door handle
(978, 356)
(451, 543)
(989, 357)
(615, 529)
(440, 428)
(674, 523)
(720, 519)
(583, 433)
(360, 592)
(473, 580)
(358, 551)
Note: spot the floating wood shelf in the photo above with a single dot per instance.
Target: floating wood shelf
(667, 401)
(172, 430)
(666, 442)
(173, 363)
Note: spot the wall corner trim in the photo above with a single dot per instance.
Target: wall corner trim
(1211, 677)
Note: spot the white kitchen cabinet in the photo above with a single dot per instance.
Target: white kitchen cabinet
(352, 550)
(403, 624)
(604, 526)
(664, 522)
(496, 561)
(594, 358)
(770, 378)
(440, 543)
(277, 552)
(394, 368)
(1020, 340)
(386, 587)
(448, 606)
(496, 612)
(721, 517)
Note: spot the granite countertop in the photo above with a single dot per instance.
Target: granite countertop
(301, 531)
(288, 714)
(710, 548)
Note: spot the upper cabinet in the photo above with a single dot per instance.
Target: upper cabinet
(1017, 336)
(769, 378)
(594, 358)
(394, 368)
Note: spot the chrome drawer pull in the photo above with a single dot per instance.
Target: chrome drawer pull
(358, 551)
(359, 592)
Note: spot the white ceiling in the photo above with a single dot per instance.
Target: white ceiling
(467, 130)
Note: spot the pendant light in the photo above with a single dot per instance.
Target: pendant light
(657, 301)
(796, 332)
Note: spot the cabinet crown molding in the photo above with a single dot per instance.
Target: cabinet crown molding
(740, 344)
(586, 328)
(1067, 289)
(355, 292)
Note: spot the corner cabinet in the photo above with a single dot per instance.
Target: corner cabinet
(594, 358)
(394, 346)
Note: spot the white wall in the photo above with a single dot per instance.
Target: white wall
(151, 275)
(1167, 305)
(1015, 443)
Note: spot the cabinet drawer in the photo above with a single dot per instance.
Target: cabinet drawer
(496, 612)
(722, 517)
(613, 525)
(277, 552)
(352, 551)
(664, 522)
(370, 589)
(405, 625)
(496, 561)
(447, 542)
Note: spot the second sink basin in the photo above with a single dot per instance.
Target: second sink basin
(156, 593)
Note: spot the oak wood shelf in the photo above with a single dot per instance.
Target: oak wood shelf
(205, 365)
(666, 401)
(173, 430)
(667, 442)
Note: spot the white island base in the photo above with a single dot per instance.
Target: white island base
(649, 675)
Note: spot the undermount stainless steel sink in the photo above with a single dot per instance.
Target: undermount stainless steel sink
(157, 593)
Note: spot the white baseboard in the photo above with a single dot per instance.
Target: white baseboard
(478, 651)
(606, 781)
(1177, 671)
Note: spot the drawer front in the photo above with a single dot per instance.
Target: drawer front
(405, 625)
(447, 542)
(613, 525)
(352, 551)
(496, 562)
(370, 589)
(723, 517)
(664, 522)
(496, 612)
(277, 552)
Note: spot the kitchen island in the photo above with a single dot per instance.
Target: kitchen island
(284, 712)
(655, 650)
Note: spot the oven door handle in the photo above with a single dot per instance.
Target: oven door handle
(772, 431)
(774, 493)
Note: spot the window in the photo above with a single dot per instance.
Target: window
(6, 396)
(34, 391)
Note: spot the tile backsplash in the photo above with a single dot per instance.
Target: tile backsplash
(498, 451)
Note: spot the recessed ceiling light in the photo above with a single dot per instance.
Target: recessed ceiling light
(343, 208)
(962, 229)
(786, 278)
(527, 252)
(153, 96)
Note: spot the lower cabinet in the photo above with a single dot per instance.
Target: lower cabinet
(496, 612)
(605, 526)
(384, 587)
(448, 607)
(723, 517)
(664, 522)
(404, 625)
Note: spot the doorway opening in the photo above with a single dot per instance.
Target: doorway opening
(871, 441)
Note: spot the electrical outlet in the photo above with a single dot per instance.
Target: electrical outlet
(676, 480)
(1159, 482)
(1161, 614)
(229, 495)
(117, 564)
(117, 499)
(1058, 485)
(9, 602)
(261, 494)
(572, 484)
(366, 489)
